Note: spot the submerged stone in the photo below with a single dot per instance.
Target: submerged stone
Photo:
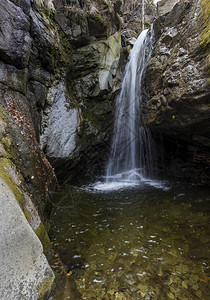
(154, 271)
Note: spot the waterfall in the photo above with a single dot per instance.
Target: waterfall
(132, 153)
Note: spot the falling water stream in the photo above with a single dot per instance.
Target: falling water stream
(130, 236)
(132, 154)
(131, 147)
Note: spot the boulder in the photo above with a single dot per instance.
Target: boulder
(25, 272)
(25, 208)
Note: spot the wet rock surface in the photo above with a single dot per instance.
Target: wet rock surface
(60, 126)
(25, 205)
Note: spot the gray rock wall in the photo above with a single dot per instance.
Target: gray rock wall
(77, 119)
(178, 87)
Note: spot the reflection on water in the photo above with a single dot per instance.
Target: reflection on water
(142, 243)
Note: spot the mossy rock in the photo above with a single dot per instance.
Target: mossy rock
(44, 238)
(27, 215)
(206, 24)
(45, 288)
(5, 164)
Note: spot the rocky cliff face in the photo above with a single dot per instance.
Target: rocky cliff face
(30, 53)
(76, 121)
(178, 88)
(26, 41)
(77, 114)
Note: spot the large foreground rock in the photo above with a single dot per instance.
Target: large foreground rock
(25, 273)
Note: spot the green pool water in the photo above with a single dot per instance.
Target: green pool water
(138, 243)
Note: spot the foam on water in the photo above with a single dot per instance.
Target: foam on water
(117, 185)
(113, 186)
(126, 180)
